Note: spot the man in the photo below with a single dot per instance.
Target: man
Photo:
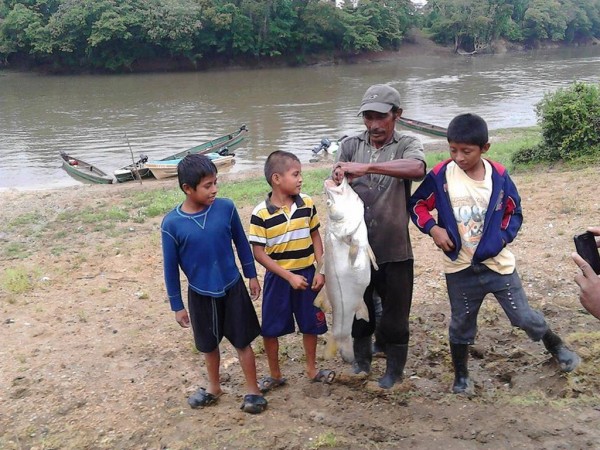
(380, 164)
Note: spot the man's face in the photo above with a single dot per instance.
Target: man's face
(380, 126)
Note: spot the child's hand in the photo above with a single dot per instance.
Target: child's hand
(298, 282)
(182, 318)
(318, 282)
(441, 238)
(254, 288)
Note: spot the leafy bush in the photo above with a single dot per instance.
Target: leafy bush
(570, 122)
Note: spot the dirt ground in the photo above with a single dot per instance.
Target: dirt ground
(92, 358)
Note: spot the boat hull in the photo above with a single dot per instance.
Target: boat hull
(422, 127)
(168, 169)
(84, 171)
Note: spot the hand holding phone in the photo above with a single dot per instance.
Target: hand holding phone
(586, 247)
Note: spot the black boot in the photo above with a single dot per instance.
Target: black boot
(460, 359)
(567, 358)
(395, 361)
(362, 355)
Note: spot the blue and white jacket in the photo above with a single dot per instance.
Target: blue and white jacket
(502, 220)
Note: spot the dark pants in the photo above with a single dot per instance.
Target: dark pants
(394, 284)
(467, 289)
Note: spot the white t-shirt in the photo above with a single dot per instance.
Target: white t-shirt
(470, 199)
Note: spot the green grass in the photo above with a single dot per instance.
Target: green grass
(16, 281)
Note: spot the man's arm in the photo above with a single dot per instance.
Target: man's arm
(410, 169)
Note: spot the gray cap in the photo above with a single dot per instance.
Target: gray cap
(380, 98)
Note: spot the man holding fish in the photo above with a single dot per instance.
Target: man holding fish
(379, 164)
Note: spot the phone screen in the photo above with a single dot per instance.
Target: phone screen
(585, 244)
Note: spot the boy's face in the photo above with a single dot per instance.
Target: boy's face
(290, 181)
(205, 192)
(467, 156)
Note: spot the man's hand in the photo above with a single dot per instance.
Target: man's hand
(182, 318)
(589, 282)
(350, 170)
(441, 238)
(254, 288)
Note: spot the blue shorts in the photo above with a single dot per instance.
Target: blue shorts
(281, 304)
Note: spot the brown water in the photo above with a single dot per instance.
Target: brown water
(94, 117)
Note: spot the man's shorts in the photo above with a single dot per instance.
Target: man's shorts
(232, 316)
(281, 304)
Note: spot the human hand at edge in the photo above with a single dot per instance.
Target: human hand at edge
(589, 284)
(596, 232)
(441, 238)
(255, 289)
(182, 318)
(318, 282)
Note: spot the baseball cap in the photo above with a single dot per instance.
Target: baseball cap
(380, 98)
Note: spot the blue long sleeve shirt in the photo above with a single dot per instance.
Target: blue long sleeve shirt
(201, 244)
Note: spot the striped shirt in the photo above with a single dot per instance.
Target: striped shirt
(285, 232)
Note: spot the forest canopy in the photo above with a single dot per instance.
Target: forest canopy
(116, 34)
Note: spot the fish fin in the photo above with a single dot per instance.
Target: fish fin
(330, 348)
(353, 253)
(372, 257)
(322, 302)
(362, 312)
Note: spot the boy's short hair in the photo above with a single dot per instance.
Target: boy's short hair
(278, 162)
(468, 129)
(193, 168)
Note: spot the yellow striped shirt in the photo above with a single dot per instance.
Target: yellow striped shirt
(285, 232)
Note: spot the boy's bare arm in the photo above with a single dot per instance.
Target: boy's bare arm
(319, 279)
(296, 281)
(441, 238)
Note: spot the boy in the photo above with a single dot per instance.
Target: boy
(479, 213)
(284, 233)
(197, 236)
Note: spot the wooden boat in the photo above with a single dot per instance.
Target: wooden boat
(83, 170)
(166, 169)
(134, 171)
(229, 141)
(422, 127)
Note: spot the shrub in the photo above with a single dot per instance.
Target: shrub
(570, 122)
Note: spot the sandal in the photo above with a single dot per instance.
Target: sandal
(202, 398)
(324, 376)
(267, 384)
(254, 404)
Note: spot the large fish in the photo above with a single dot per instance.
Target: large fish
(348, 259)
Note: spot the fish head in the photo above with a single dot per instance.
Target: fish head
(343, 204)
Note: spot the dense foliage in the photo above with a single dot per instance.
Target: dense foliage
(475, 24)
(115, 34)
(570, 121)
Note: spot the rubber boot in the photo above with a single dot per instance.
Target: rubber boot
(362, 355)
(460, 359)
(567, 358)
(395, 360)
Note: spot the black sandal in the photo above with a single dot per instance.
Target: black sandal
(254, 404)
(201, 398)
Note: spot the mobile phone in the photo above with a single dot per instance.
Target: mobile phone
(585, 244)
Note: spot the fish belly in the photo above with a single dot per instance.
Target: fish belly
(345, 284)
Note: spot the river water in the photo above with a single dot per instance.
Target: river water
(100, 118)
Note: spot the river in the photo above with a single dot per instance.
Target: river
(102, 119)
